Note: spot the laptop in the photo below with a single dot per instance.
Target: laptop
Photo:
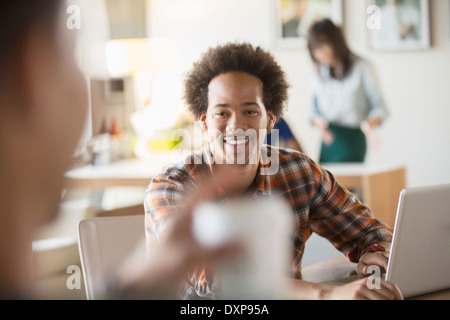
(419, 261)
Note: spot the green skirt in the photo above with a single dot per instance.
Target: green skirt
(349, 146)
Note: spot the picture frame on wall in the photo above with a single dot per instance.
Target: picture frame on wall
(295, 17)
(398, 25)
(126, 18)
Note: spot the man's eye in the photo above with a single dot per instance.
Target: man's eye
(221, 114)
(251, 112)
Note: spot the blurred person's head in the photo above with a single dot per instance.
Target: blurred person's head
(43, 104)
(42, 98)
(233, 87)
(327, 46)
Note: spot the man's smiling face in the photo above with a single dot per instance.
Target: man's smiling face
(236, 118)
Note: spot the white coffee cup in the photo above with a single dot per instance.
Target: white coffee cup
(264, 227)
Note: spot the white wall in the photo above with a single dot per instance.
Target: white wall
(415, 85)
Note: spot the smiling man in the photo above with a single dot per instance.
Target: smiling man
(231, 93)
(237, 92)
(237, 122)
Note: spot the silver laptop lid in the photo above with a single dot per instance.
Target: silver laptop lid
(419, 262)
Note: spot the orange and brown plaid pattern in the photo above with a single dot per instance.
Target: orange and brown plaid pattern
(320, 204)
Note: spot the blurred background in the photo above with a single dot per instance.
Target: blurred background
(413, 82)
(135, 54)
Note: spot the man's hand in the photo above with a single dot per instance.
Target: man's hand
(377, 258)
(360, 290)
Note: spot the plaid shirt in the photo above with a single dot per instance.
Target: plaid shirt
(319, 202)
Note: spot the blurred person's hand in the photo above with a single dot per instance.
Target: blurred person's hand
(161, 273)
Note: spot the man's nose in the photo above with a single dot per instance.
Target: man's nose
(235, 122)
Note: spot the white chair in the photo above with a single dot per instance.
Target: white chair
(103, 244)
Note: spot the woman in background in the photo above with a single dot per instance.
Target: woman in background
(347, 105)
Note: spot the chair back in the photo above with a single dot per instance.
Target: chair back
(103, 244)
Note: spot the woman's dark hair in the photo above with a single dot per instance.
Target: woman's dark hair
(17, 19)
(326, 32)
(236, 57)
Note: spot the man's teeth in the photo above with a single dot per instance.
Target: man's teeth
(238, 141)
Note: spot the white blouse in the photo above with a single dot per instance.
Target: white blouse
(350, 101)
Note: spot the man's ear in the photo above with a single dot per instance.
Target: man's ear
(202, 121)
(271, 119)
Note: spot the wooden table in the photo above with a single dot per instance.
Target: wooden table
(125, 173)
(128, 172)
(380, 185)
(338, 271)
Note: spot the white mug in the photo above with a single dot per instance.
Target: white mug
(263, 226)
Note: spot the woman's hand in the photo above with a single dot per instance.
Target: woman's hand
(322, 124)
(327, 137)
(368, 128)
